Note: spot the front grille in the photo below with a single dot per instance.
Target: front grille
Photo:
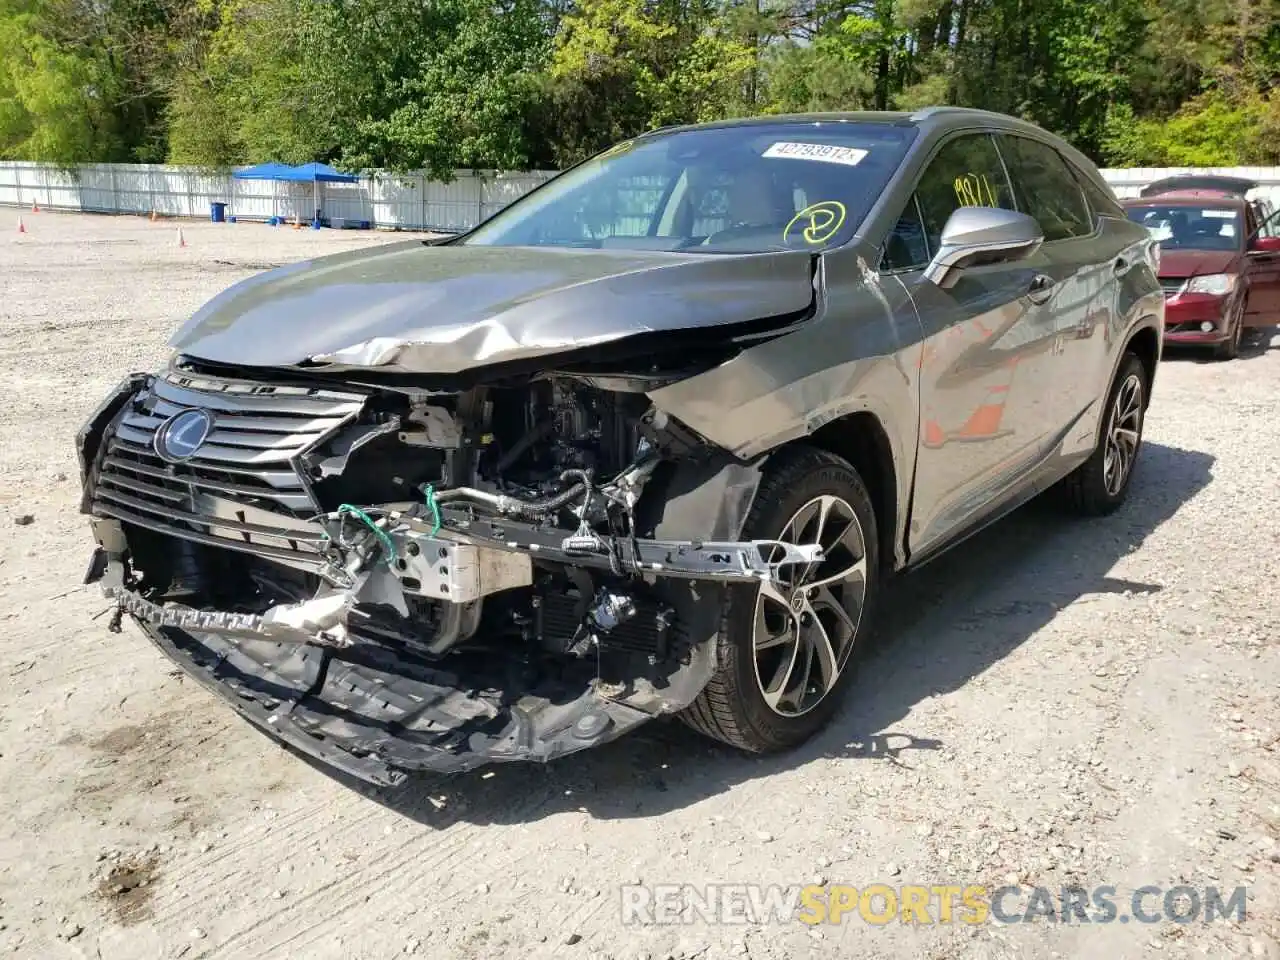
(242, 489)
(1172, 285)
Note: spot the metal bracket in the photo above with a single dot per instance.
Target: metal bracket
(731, 561)
(724, 560)
(454, 571)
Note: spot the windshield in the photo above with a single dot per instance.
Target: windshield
(740, 189)
(1184, 227)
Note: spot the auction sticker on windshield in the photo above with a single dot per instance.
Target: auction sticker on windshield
(823, 152)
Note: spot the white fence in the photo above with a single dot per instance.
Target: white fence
(386, 201)
(404, 202)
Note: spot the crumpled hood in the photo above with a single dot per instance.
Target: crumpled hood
(413, 308)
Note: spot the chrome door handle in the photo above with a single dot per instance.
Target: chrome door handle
(1120, 266)
(1041, 289)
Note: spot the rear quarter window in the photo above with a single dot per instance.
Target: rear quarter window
(1101, 200)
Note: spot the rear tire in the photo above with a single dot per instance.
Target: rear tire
(1100, 485)
(776, 684)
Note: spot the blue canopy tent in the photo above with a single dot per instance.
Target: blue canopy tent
(318, 173)
(261, 171)
(313, 173)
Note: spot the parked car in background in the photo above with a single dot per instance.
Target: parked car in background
(1219, 258)
(646, 442)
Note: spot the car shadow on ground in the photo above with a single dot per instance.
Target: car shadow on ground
(1255, 342)
(938, 628)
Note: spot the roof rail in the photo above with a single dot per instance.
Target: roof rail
(925, 112)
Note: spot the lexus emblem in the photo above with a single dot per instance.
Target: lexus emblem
(182, 435)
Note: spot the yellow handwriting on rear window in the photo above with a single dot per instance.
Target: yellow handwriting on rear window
(974, 190)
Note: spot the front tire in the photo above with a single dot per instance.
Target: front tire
(1100, 485)
(783, 653)
(1229, 349)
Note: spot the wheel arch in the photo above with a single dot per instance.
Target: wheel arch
(1145, 343)
(861, 439)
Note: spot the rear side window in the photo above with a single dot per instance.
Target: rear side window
(1046, 189)
(967, 172)
(1103, 202)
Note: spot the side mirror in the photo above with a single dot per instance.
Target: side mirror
(1265, 245)
(979, 235)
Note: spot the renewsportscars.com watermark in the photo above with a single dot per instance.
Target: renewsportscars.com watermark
(881, 903)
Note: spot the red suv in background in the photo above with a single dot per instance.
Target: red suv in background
(1219, 258)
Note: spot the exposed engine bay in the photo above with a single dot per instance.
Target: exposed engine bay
(396, 578)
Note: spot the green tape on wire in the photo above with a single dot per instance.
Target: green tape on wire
(430, 493)
(387, 543)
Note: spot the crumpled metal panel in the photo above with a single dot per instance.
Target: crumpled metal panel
(858, 354)
(846, 359)
(412, 308)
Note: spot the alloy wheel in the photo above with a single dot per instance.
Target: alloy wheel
(806, 623)
(1124, 431)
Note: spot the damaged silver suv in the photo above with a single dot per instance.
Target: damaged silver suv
(646, 442)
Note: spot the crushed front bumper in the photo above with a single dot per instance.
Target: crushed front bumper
(377, 718)
(376, 714)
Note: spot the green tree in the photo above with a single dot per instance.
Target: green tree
(404, 84)
(437, 86)
(249, 94)
(655, 64)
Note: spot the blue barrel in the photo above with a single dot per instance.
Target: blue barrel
(217, 211)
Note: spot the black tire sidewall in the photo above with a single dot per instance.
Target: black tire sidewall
(1131, 365)
(773, 508)
(1229, 349)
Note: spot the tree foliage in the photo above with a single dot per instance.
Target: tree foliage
(443, 84)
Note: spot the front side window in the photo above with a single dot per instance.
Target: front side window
(1045, 188)
(1190, 227)
(906, 248)
(966, 172)
(736, 189)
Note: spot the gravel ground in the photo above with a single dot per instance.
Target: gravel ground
(1057, 702)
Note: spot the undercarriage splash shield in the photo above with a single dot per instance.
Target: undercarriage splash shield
(375, 716)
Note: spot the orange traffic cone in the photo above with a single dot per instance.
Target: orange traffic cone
(182, 240)
(35, 207)
(984, 422)
(153, 216)
(297, 224)
(22, 227)
(933, 435)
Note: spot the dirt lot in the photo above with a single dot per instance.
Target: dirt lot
(1057, 702)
